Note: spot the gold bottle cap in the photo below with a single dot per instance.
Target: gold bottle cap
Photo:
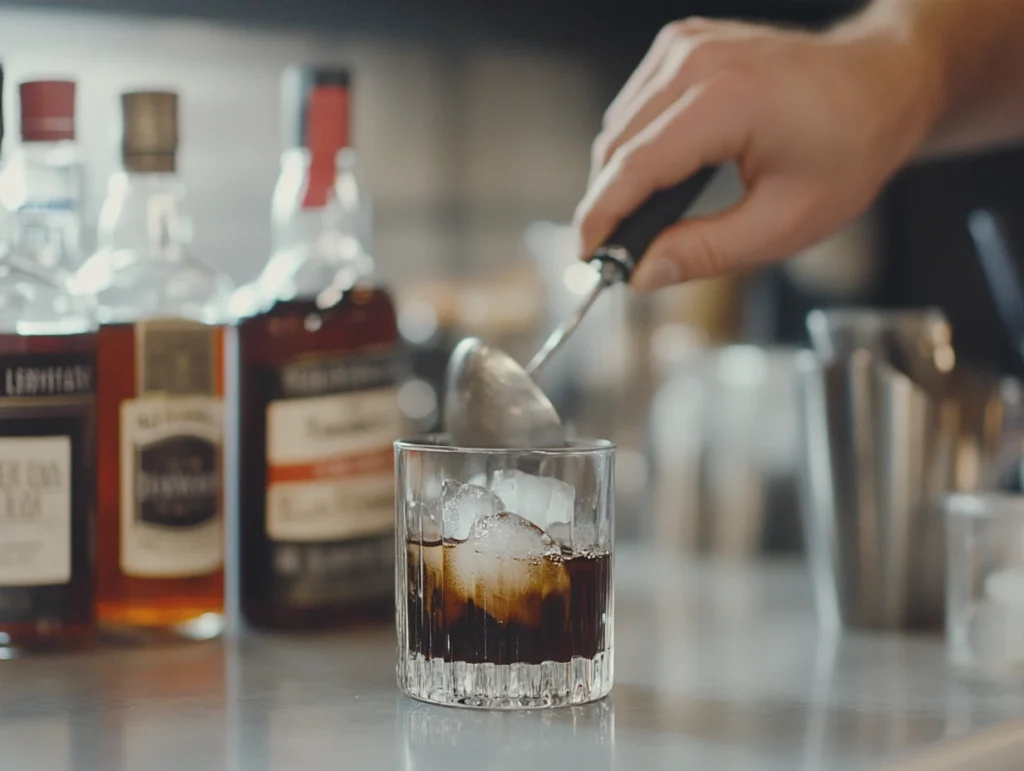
(149, 141)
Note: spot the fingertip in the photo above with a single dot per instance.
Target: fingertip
(578, 246)
(591, 227)
(579, 221)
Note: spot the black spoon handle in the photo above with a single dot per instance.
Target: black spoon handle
(627, 244)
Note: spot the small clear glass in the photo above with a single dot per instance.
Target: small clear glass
(504, 573)
(985, 583)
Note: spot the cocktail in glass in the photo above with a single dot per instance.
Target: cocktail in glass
(504, 573)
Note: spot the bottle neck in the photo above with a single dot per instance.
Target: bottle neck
(144, 212)
(324, 134)
(320, 174)
(321, 246)
(342, 211)
(41, 188)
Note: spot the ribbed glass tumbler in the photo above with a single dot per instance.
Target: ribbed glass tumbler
(504, 573)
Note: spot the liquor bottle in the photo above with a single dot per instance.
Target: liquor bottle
(47, 454)
(318, 407)
(43, 181)
(160, 397)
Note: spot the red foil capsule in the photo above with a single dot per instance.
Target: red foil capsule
(47, 110)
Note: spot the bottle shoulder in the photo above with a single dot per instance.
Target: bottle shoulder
(36, 302)
(306, 271)
(363, 318)
(130, 285)
(364, 297)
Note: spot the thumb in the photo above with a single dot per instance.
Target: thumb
(768, 224)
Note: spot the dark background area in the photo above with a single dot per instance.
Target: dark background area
(931, 258)
(620, 27)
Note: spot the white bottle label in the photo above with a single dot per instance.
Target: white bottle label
(330, 465)
(35, 510)
(171, 486)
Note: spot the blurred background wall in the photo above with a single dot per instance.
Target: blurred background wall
(459, 148)
(473, 122)
(471, 119)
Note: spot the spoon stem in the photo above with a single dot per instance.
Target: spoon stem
(562, 333)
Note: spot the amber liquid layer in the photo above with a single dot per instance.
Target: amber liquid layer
(78, 629)
(127, 605)
(363, 319)
(558, 612)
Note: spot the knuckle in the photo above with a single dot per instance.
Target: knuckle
(702, 56)
(701, 47)
(667, 33)
(735, 82)
(682, 28)
(629, 160)
(701, 256)
(593, 221)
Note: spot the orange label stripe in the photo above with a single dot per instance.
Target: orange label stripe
(338, 467)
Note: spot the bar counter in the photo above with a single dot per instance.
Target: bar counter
(718, 666)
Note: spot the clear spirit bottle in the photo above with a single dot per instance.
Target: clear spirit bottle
(47, 453)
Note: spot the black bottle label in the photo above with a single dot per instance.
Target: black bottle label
(330, 428)
(46, 488)
(178, 482)
(171, 455)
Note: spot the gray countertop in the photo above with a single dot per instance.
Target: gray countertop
(717, 667)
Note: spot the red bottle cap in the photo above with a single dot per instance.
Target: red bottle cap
(316, 111)
(326, 134)
(47, 110)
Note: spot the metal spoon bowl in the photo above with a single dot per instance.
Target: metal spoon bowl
(490, 401)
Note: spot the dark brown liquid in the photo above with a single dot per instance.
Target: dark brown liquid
(558, 615)
(127, 602)
(64, 614)
(364, 319)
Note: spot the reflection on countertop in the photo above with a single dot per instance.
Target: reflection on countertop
(717, 666)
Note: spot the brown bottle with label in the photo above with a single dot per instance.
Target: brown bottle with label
(318, 356)
(160, 392)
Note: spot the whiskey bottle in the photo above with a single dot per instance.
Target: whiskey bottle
(318, 408)
(47, 453)
(159, 539)
(42, 183)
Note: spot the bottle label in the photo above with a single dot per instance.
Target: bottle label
(171, 455)
(331, 424)
(35, 510)
(46, 487)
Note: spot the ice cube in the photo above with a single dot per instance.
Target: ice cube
(510, 535)
(561, 533)
(462, 505)
(508, 568)
(576, 537)
(542, 500)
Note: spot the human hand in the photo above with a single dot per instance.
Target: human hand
(816, 122)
